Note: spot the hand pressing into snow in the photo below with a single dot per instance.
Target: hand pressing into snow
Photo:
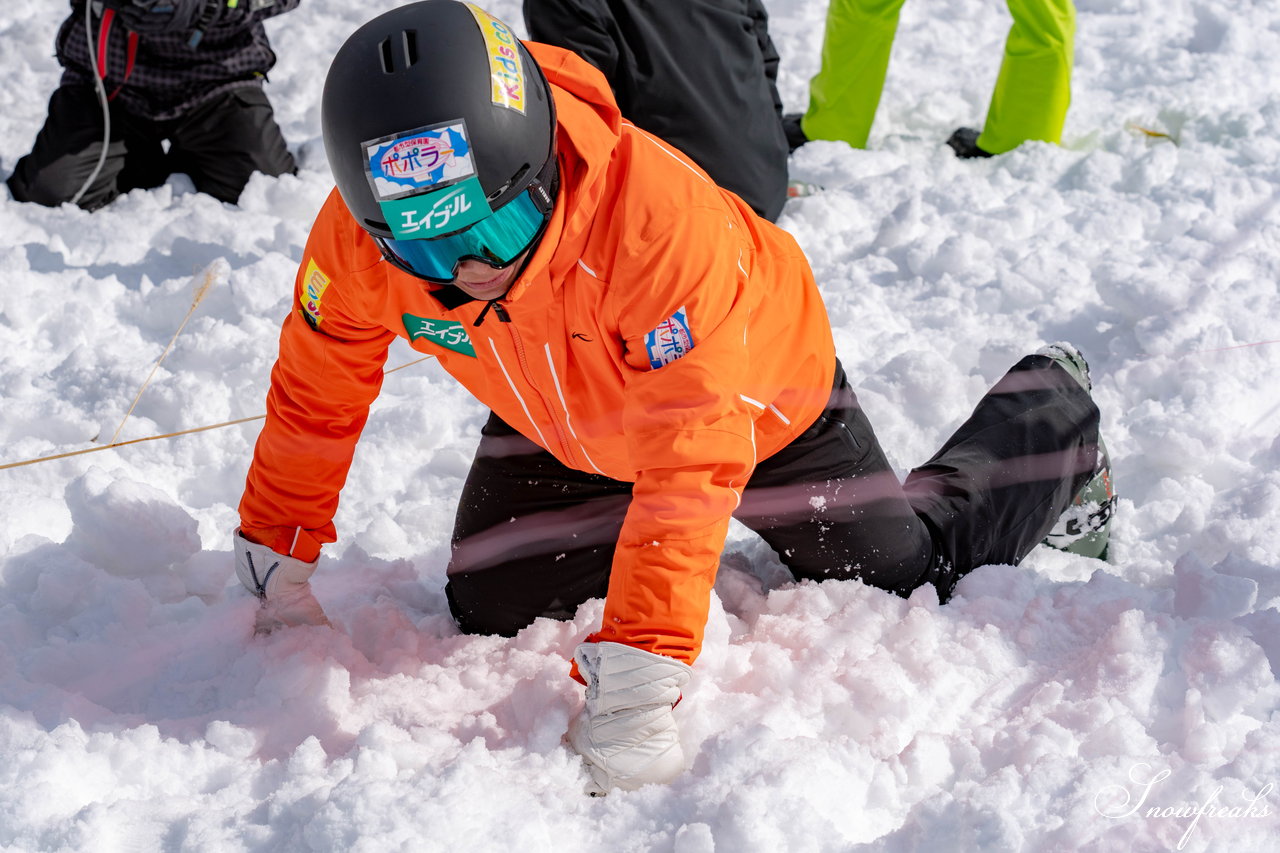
(627, 734)
(282, 584)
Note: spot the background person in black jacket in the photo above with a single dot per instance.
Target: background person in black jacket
(699, 74)
(186, 71)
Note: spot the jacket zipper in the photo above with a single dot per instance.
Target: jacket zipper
(564, 404)
(546, 406)
(505, 317)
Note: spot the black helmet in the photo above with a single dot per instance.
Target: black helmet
(434, 115)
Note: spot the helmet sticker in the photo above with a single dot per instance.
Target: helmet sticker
(506, 70)
(438, 213)
(419, 160)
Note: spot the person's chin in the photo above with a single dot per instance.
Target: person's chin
(486, 290)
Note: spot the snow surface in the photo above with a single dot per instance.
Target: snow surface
(1060, 705)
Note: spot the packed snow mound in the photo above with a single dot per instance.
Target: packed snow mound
(1064, 704)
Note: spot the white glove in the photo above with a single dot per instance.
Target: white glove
(282, 583)
(627, 733)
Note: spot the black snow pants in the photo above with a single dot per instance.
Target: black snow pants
(218, 143)
(535, 538)
(699, 74)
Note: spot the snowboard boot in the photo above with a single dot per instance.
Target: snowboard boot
(965, 143)
(1084, 528)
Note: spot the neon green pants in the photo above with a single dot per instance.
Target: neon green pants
(1031, 95)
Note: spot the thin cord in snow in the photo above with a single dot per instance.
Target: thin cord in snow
(167, 434)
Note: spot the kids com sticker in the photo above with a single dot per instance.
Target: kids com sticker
(314, 284)
(506, 72)
(419, 160)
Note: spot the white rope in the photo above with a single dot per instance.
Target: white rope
(102, 99)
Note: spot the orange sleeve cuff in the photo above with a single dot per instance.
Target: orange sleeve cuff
(290, 541)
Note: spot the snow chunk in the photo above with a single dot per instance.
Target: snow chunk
(131, 530)
(1202, 591)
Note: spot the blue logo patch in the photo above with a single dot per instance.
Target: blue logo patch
(418, 160)
(670, 340)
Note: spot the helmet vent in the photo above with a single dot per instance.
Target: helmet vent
(394, 60)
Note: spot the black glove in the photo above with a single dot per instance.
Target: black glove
(150, 17)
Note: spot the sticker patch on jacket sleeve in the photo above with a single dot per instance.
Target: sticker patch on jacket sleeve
(671, 340)
(506, 71)
(418, 160)
(314, 284)
(446, 333)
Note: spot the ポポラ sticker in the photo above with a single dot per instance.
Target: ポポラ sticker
(506, 71)
(671, 340)
(419, 160)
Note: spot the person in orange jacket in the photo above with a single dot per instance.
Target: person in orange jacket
(657, 359)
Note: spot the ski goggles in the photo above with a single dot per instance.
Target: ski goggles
(497, 240)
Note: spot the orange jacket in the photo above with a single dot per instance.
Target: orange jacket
(640, 239)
